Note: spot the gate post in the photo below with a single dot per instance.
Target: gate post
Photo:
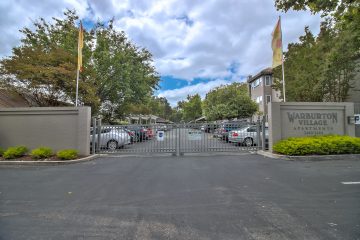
(263, 136)
(258, 133)
(99, 135)
(93, 145)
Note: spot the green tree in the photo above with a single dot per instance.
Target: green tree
(229, 101)
(44, 65)
(192, 108)
(177, 114)
(116, 72)
(124, 73)
(158, 106)
(319, 68)
(302, 62)
(337, 8)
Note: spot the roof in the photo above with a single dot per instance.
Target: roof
(140, 116)
(12, 99)
(203, 118)
(161, 120)
(147, 117)
(266, 71)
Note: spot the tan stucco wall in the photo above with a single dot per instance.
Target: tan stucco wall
(55, 127)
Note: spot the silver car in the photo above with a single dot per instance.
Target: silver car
(112, 138)
(246, 136)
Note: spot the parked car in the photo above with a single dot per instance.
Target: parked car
(161, 127)
(111, 138)
(208, 127)
(246, 136)
(223, 131)
(149, 133)
(139, 131)
(132, 134)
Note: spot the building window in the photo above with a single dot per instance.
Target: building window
(268, 81)
(268, 99)
(259, 99)
(256, 83)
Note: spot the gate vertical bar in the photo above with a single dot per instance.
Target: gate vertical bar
(258, 133)
(93, 145)
(99, 136)
(263, 137)
(177, 140)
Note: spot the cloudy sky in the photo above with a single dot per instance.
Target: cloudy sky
(197, 45)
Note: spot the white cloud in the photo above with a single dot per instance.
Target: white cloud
(201, 39)
(189, 39)
(15, 15)
(175, 95)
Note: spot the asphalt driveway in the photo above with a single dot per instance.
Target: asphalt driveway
(200, 197)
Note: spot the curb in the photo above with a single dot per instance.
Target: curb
(195, 154)
(272, 155)
(310, 157)
(37, 163)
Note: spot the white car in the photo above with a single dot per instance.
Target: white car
(112, 138)
(246, 136)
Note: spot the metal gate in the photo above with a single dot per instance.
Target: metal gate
(178, 138)
(357, 111)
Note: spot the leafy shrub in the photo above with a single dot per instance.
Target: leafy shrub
(67, 154)
(1, 151)
(15, 152)
(318, 145)
(41, 152)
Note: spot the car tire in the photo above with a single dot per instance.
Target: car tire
(248, 142)
(112, 145)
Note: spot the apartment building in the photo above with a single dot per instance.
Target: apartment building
(261, 91)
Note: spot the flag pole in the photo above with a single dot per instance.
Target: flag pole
(77, 87)
(79, 63)
(282, 63)
(283, 76)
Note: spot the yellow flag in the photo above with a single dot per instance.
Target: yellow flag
(276, 45)
(80, 46)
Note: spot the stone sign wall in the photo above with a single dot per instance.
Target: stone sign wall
(308, 119)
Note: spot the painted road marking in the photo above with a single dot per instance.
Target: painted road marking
(348, 183)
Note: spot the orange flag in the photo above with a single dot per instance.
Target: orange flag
(80, 47)
(276, 45)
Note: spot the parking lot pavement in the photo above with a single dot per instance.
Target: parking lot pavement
(212, 197)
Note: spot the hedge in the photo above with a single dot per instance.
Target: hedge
(41, 152)
(318, 145)
(67, 154)
(15, 152)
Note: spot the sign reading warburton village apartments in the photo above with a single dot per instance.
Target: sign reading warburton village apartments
(312, 122)
(309, 119)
